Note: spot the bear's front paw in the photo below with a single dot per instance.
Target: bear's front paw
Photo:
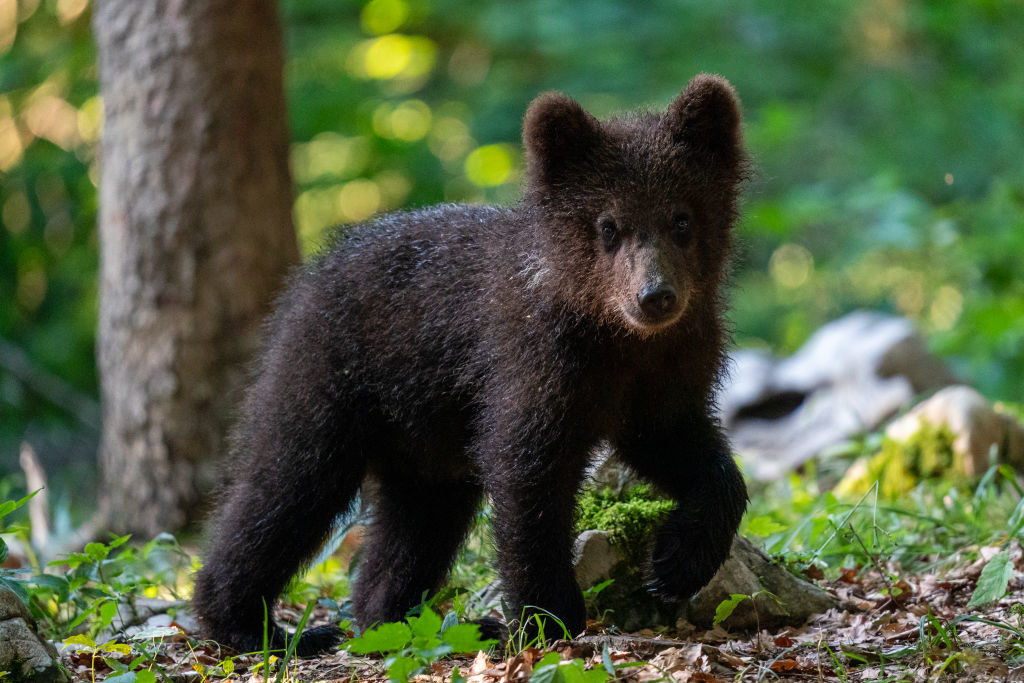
(686, 557)
(315, 641)
(681, 581)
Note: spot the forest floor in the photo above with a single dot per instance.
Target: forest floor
(915, 628)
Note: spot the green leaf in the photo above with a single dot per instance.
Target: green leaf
(97, 552)
(764, 526)
(401, 668)
(9, 506)
(3, 551)
(595, 675)
(434, 652)
(426, 625)
(571, 673)
(994, 579)
(80, 639)
(72, 560)
(108, 611)
(58, 584)
(145, 676)
(726, 607)
(118, 540)
(117, 648)
(597, 588)
(465, 638)
(546, 670)
(384, 638)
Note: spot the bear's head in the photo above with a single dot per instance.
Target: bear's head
(638, 210)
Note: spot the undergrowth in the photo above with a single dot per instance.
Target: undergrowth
(934, 524)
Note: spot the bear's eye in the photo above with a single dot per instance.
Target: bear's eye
(681, 227)
(609, 231)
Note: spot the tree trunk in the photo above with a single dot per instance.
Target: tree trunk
(195, 238)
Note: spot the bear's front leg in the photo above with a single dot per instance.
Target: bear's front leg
(533, 531)
(693, 465)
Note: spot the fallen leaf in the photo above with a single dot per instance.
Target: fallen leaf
(784, 641)
(780, 665)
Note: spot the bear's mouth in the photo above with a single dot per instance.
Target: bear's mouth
(646, 323)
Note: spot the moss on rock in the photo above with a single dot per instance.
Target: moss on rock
(629, 518)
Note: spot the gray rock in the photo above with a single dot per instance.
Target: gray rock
(849, 377)
(594, 557)
(139, 611)
(11, 607)
(747, 571)
(979, 431)
(23, 653)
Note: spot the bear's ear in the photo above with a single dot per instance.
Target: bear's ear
(559, 137)
(705, 120)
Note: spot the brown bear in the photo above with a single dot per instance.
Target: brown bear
(456, 352)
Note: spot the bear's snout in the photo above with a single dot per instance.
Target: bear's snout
(658, 300)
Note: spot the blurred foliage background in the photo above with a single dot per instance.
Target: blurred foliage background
(887, 138)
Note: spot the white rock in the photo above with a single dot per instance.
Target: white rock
(848, 378)
(594, 557)
(978, 430)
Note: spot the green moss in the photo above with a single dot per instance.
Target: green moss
(900, 465)
(629, 518)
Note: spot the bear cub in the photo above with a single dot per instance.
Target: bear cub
(457, 352)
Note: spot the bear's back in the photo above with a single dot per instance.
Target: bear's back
(400, 306)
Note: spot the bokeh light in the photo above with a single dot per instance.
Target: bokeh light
(490, 165)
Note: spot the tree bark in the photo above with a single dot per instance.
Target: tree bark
(195, 237)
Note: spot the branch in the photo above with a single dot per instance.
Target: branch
(83, 408)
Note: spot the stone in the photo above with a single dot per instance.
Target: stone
(139, 611)
(848, 378)
(747, 571)
(11, 607)
(630, 606)
(594, 557)
(979, 430)
(23, 653)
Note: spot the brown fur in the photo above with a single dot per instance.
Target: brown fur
(459, 351)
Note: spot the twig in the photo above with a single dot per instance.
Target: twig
(38, 507)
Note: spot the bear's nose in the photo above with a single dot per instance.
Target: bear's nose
(657, 300)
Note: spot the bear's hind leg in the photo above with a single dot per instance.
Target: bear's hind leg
(417, 526)
(275, 517)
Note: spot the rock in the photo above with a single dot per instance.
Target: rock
(23, 653)
(626, 602)
(594, 557)
(849, 377)
(140, 611)
(976, 426)
(11, 607)
(747, 571)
